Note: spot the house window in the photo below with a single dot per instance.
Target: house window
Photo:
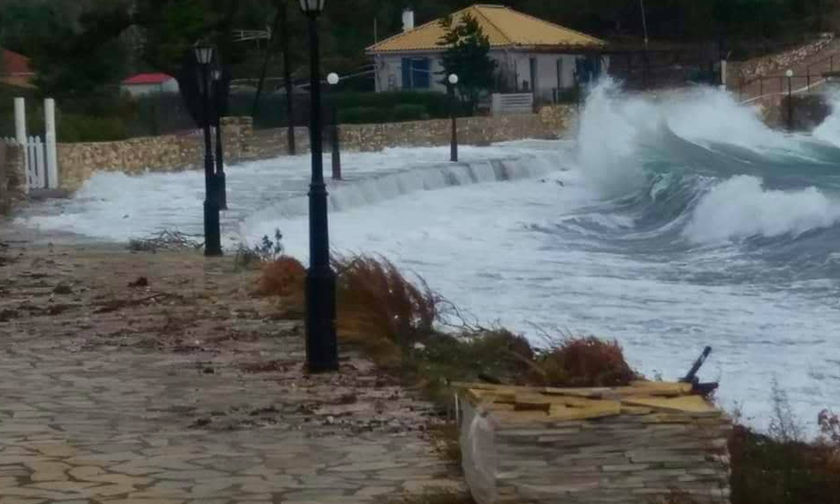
(533, 65)
(416, 73)
(559, 73)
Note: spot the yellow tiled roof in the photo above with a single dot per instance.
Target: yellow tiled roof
(503, 26)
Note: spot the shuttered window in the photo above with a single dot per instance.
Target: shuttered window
(416, 73)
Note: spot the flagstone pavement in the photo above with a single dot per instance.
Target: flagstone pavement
(187, 389)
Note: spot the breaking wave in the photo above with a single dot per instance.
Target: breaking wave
(695, 169)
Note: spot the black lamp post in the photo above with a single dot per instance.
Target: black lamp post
(789, 75)
(212, 232)
(221, 183)
(332, 80)
(321, 345)
(453, 81)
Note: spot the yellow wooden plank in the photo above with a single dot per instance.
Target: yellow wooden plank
(595, 393)
(605, 409)
(635, 410)
(692, 405)
(531, 401)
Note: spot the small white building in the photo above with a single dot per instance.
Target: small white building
(150, 83)
(532, 55)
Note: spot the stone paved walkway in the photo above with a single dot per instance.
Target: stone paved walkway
(185, 390)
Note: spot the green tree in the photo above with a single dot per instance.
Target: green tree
(467, 54)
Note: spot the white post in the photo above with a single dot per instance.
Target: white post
(20, 136)
(52, 152)
(723, 76)
(41, 180)
(32, 163)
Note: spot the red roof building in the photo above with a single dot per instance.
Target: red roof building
(15, 69)
(150, 83)
(148, 78)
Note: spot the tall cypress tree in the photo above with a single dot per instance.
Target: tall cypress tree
(468, 55)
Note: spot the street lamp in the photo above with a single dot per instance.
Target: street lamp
(212, 233)
(221, 184)
(321, 345)
(453, 81)
(789, 75)
(333, 79)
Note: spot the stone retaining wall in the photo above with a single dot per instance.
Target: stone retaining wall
(650, 442)
(12, 176)
(777, 64)
(79, 161)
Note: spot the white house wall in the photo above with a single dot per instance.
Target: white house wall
(517, 63)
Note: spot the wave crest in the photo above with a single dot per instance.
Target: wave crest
(741, 207)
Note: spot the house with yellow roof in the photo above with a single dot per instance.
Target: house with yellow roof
(532, 55)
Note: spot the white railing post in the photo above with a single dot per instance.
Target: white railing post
(20, 136)
(52, 152)
(41, 172)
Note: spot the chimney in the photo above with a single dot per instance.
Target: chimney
(408, 19)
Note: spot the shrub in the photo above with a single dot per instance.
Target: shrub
(284, 277)
(771, 471)
(393, 321)
(583, 362)
(268, 250)
(362, 115)
(830, 427)
(410, 112)
(379, 309)
(82, 128)
(780, 468)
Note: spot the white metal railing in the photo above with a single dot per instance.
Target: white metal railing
(513, 103)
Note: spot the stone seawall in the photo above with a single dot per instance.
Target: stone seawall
(79, 161)
(12, 176)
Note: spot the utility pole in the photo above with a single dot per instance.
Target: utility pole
(645, 29)
(287, 77)
(255, 106)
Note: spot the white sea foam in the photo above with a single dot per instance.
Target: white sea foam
(740, 208)
(829, 130)
(607, 142)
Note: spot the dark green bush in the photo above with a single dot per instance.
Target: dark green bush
(375, 107)
(362, 115)
(409, 112)
(81, 128)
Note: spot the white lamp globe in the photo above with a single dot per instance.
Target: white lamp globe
(453, 79)
(312, 6)
(789, 73)
(333, 78)
(203, 54)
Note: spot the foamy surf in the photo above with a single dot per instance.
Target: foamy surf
(668, 222)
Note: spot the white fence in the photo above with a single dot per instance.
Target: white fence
(513, 103)
(37, 169)
(40, 154)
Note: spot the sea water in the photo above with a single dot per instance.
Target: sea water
(666, 222)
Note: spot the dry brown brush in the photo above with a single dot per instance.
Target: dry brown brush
(380, 310)
(397, 321)
(285, 278)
